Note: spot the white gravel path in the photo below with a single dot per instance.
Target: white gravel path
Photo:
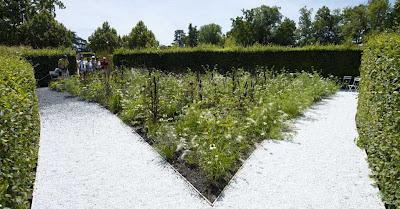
(89, 159)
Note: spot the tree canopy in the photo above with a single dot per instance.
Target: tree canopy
(104, 39)
(141, 37)
(256, 25)
(193, 36)
(16, 13)
(44, 31)
(326, 28)
(210, 34)
(285, 33)
(355, 23)
(304, 30)
(179, 38)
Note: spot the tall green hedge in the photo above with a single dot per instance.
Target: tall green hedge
(45, 59)
(47, 63)
(378, 117)
(338, 61)
(19, 131)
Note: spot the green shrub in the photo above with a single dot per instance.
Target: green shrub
(378, 116)
(19, 131)
(330, 60)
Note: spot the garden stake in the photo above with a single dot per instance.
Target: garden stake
(154, 100)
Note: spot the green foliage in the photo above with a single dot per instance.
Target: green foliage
(19, 131)
(285, 33)
(44, 31)
(179, 38)
(256, 25)
(16, 13)
(395, 15)
(378, 13)
(210, 121)
(378, 116)
(355, 23)
(141, 37)
(210, 34)
(326, 28)
(329, 60)
(193, 36)
(304, 30)
(104, 39)
(45, 59)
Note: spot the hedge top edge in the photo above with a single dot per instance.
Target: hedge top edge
(27, 51)
(255, 48)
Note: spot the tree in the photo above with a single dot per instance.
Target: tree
(256, 25)
(44, 31)
(179, 38)
(304, 32)
(14, 13)
(192, 39)
(141, 37)
(79, 44)
(242, 32)
(104, 39)
(355, 23)
(285, 33)
(48, 6)
(378, 13)
(395, 15)
(264, 21)
(326, 28)
(210, 34)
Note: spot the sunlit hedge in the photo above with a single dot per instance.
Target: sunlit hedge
(19, 130)
(327, 60)
(378, 116)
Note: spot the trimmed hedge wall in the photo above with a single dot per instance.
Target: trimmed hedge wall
(48, 63)
(378, 117)
(19, 131)
(47, 60)
(338, 61)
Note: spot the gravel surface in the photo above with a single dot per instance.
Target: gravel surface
(321, 167)
(89, 159)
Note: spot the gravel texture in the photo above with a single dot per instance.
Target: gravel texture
(89, 159)
(320, 168)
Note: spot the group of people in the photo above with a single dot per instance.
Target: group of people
(84, 67)
(92, 64)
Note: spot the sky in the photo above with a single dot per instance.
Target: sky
(163, 17)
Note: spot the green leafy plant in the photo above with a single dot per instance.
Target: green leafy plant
(378, 116)
(19, 131)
